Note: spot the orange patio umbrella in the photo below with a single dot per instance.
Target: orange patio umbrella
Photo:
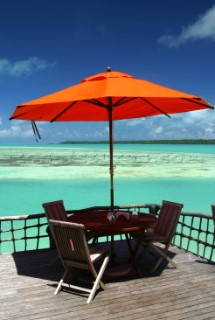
(108, 96)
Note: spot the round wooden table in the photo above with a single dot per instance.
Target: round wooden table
(107, 223)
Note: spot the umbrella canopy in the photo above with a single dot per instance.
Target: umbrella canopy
(109, 96)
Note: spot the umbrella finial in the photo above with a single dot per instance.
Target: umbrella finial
(108, 69)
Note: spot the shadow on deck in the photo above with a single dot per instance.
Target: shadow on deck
(28, 282)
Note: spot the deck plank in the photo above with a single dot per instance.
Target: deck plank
(28, 281)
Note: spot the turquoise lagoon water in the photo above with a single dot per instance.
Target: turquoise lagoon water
(25, 196)
(19, 197)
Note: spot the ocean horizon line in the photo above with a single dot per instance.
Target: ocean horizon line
(179, 141)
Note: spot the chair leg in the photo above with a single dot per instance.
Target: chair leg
(95, 240)
(98, 283)
(112, 246)
(137, 268)
(163, 256)
(60, 283)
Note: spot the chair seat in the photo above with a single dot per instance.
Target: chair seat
(96, 253)
(154, 237)
(148, 236)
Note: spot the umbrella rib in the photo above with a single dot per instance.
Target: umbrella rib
(198, 102)
(118, 103)
(97, 103)
(123, 101)
(63, 111)
(158, 109)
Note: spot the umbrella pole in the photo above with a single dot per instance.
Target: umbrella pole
(111, 152)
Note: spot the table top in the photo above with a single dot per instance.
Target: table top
(123, 222)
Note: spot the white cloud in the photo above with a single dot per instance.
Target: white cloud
(0, 120)
(200, 117)
(24, 67)
(136, 121)
(16, 131)
(209, 130)
(19, 130)
(158, 130)
(189, 125)
(203, 28)
(195, 125)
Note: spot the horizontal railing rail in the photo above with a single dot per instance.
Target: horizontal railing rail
(195, 231)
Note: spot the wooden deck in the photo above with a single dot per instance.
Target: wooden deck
(27, 283)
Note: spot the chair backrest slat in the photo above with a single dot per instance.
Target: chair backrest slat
(55, 210)
(71, 242)
(168, 218)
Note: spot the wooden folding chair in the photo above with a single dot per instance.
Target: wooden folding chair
(163, 232)
(74, 253)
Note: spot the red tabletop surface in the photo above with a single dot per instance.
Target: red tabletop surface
(98, 221)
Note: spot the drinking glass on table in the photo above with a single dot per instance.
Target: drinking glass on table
(135, 212)
(111, 216)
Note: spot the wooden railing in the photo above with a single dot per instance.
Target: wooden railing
(195, 231)
(22, 233)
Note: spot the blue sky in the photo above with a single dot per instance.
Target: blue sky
(48, 45)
